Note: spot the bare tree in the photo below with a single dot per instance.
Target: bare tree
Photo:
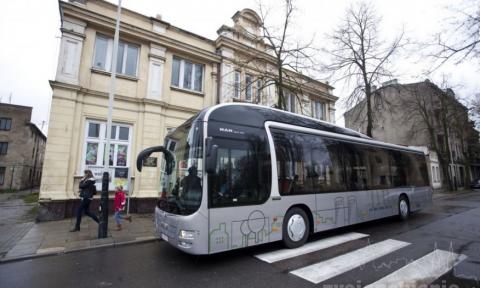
(360, 55)
(437, 113)
(475, 107)
(286, 63)
(461, 39)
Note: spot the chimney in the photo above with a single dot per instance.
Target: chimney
(159, 17)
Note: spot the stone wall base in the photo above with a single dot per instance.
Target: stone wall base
(50, 210)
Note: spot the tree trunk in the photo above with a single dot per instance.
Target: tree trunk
(281, 103)
(444, 110)
(368, 95)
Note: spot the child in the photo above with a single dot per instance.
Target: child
(119, 203)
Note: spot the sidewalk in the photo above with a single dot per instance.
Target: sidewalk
(444, 194)
(17, 217)
(53, 237)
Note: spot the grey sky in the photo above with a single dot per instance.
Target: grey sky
(29, 33)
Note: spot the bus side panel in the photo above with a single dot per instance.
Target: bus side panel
(342, 208)
(420, 198)
(245, 226)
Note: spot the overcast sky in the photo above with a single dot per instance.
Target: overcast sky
(29, 33)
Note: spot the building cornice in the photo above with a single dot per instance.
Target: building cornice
(37, 130)
(239, 47)
(242, 48)
(140, 101)
(137, 32)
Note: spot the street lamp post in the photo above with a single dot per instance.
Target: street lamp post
(103, 225)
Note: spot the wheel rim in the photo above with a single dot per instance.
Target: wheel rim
(296, 227)
(403, 208)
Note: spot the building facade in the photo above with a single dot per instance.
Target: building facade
(164, 76)
(430, 118)
(22, 148)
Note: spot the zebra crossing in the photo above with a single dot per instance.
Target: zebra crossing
(423, 270)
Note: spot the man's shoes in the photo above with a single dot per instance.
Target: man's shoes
(75, 230)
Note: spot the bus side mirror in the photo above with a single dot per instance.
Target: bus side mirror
(211, 156)
(169, 158)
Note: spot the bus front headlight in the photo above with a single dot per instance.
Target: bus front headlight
(187, 234)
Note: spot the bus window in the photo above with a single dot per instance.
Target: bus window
(181, 191)
(416, 170)
(357, 171)
(398, 169)
(242, 175)
(307, 163)
(327, 160)
(293, 164)
(296, 172)
(379, 168)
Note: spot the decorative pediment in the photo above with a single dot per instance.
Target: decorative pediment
(247, 20)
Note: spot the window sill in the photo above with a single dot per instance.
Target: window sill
(193, 92)
(122, 76)
(239, 100)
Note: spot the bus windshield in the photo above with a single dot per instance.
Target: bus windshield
(181, 191)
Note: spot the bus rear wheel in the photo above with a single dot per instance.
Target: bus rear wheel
(403, 208)
(295, 228)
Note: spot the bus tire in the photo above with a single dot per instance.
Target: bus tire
(403, 208)
(295, 228)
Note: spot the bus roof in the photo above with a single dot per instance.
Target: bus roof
(256, 116)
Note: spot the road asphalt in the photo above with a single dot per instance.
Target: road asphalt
(449, 231)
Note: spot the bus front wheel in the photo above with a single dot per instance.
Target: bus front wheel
(403, 208)
(295, 228)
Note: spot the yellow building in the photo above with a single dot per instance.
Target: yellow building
(164, 76)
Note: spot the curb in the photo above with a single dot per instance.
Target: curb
(47, 254)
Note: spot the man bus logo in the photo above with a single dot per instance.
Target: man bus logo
(228, 130)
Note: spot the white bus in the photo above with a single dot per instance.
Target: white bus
(238, 175)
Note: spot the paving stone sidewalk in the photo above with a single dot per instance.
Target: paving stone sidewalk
(16, 218)
(54, 237)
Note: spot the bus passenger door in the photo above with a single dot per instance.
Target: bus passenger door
(238, 192)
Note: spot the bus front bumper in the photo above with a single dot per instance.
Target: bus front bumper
(181, 231)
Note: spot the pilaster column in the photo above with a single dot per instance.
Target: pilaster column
(155, 72)
(73, 34)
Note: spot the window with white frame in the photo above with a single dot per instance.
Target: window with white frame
(318, 109)
(435, 174)
(127, 56)
(95, 149)
(237, 79)
(248, 87)
(289, 100)
(187, 75)
(259, 90)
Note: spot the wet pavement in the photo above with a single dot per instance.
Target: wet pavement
(16, 218)
(452, 225)
(21, 237)
(55, 237)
